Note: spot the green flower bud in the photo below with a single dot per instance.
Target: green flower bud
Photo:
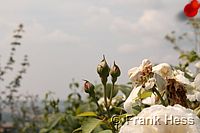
(115, 71)
(88, 87)
(103, 69)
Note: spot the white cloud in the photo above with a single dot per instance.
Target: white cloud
(39, 34)
(152, 21)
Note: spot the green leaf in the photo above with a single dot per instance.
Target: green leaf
(146, 94)
(56, 121)
(86, 107)
(44, 130)
(106, 131)
(90, 124)
(136, 108)
(87, 114)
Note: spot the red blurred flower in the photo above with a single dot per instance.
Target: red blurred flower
(191, 9)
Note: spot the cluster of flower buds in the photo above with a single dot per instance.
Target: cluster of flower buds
(191, 9)
(103, 70)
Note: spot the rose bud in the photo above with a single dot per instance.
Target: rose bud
(103, 68)
(88, 87)
(115, 72)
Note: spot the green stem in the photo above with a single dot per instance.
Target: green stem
(105, 96)
(96, 101)
(111, 93)
(105, 99)
(159, 95)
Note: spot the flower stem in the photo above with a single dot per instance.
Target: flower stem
(96, 101)
(105, 96)
(105, 100)
(159, 95)
(111, 93)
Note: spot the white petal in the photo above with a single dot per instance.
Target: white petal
(150, 83)
(182, 79)
(163, 70)
(130, 100)
(150, 100)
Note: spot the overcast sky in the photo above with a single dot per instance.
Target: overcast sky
(66, 39)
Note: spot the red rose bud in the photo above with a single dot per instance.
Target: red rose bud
(88, 87)
(190, 11)
(103, 69)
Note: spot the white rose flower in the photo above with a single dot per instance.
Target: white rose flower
(171, 119)
(163, 70)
